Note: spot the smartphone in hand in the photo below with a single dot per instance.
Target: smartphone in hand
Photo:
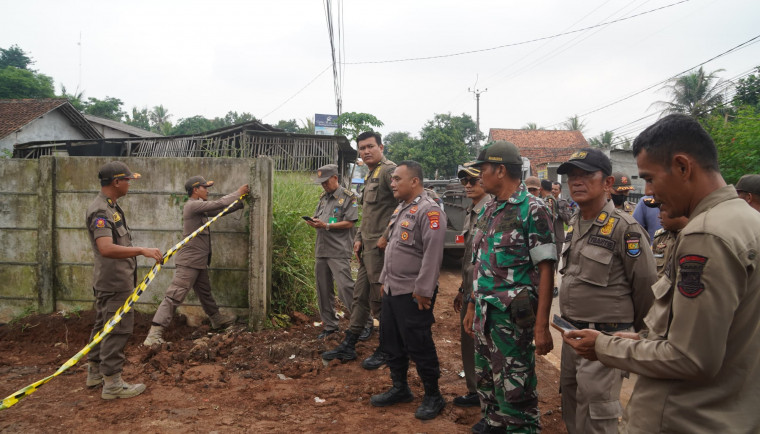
(307, 218)
(561, 324)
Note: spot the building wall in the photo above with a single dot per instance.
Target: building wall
(44, 242)
(52, 126)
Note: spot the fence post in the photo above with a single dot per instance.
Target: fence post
(45, 236)
(260, 242)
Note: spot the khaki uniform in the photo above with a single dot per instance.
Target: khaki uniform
(558, 228)
(662, 247)
(377, 203)
(699, 367)
(607, 273)
(412, 266)
(333, 251)
(113, 282)
(629, 207)
(466, 342)
(193, 259)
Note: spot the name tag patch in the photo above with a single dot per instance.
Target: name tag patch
(596, 240)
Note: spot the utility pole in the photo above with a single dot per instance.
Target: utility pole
(477, 93)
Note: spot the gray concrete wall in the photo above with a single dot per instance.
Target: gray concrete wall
(45, 253)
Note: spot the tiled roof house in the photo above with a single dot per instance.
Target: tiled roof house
(546, 149)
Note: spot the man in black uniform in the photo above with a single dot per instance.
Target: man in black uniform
(114, 279)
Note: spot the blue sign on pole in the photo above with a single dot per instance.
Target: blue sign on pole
(325, 125)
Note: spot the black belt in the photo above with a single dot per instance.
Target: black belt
(609, 327)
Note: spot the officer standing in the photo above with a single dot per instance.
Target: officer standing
(334, 219)
(514, 256)
(114, 279)
(377, 203)
(193, 259)
(699, 363)
(621, 188)
(469, 177)
(665, 238)
(410, 284)
(565, 208)
(608, 270)
(748, 188)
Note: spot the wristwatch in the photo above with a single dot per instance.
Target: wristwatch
(327, 227)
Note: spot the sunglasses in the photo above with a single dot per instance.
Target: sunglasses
(471, 181)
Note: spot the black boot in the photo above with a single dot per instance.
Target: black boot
(345, 351)
(399, 392)
(376, 360)
(432, 403)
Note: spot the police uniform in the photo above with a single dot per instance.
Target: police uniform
(377, 203)
(193, 258)
(662, 245)
(412, 265)
(608, 270)
(699, 366)
(467, 342)
(511, 238)
(333, 250)
(113, 282)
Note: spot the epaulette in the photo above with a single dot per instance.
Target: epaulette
(659, 232)
(348, 192)
(628, 218)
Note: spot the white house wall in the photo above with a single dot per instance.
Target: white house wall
(51, 126)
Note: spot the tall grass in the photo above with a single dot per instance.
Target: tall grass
(293, 283)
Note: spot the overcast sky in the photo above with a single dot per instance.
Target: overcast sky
(209, 57)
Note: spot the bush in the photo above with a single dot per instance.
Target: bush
(293, 283)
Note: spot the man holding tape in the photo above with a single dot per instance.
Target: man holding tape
(193, 259)
(114, 278)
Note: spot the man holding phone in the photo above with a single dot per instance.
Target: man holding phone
(334, 220)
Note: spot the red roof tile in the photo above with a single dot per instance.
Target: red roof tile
(15, 113)
(542, 146)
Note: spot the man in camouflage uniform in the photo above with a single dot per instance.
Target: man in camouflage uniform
(514, 256)
(621, 188)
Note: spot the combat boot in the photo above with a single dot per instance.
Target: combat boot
(94, 377)
(221, 320)
(114, 387)
(399, 392)
(155, 336)
(345, 351)
(432, 403)
(376, 360)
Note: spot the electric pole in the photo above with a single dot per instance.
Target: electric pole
(477, 93)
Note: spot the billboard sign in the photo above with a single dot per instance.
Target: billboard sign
(324, 125)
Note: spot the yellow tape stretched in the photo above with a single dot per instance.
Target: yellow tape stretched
(28, 390)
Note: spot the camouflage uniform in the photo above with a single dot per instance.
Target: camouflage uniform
(511, 238)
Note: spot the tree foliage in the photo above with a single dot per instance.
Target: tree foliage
(16, 57)
(351, 124)
(139, 118)
(574, 123)
(737, 138)
(21, 83)
(604, 140)
(696, 94)
(532, 126)
(109, 108)
(748, 90)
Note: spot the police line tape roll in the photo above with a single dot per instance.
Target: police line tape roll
(28, 390)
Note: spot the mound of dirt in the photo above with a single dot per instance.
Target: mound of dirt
(235, 381)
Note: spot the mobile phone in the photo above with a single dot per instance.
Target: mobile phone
(307, 218)
(561, 324)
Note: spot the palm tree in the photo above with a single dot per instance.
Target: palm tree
(695, 94)
(604, 140)
(573, 123)
(307, 126)
(532, 126)
(159, 120)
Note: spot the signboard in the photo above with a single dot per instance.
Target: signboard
(324, 125)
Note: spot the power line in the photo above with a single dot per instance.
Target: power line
(301, 90)
(461, 53)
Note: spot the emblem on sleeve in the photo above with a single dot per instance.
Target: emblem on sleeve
(633, 244)
(434, 217)
(405, 235)
(100, 222)
(690, 269)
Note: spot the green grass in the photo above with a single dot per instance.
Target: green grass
(293, 283)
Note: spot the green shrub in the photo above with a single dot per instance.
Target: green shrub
(293, 283)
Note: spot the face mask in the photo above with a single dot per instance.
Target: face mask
(618, 199)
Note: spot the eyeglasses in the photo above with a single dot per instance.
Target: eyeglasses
(471, 181)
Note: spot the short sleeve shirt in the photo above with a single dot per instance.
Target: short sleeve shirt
(335, 207)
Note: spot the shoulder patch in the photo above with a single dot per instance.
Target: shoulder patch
(602, 217)
(690, 269)
(633, 244)
(100, 222)
(659, 232)
(434, 217)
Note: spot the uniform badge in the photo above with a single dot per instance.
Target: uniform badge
(110, 202)
(580, 155)
(690, 269)
(434, 217)
(405, 235)
(602, 217)
(340, 201)
(100, 222)
(116, 217)
(413, 210)
(405, 224)
(632, 244)
(396, 211)
(606, 230)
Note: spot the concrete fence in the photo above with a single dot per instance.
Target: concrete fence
(46, 258)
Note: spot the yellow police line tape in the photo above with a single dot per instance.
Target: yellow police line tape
(28, 390)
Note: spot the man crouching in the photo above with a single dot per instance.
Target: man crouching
(410, 284)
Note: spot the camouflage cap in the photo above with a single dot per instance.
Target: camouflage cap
(499, 152)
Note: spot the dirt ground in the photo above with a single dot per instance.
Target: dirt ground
(236, 381)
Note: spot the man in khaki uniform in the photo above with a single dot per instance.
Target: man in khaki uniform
(699, 363)
(114, 279)
(473, 188)
(608, 270)
(377, 203)
(621, 188)
(665, 238)
(193, 259)
(334, 220)
(748, 188)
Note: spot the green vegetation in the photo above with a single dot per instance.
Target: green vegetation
(293, 244)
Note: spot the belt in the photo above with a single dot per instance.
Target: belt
(601, 326)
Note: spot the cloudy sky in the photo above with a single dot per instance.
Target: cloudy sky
(540, 61)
